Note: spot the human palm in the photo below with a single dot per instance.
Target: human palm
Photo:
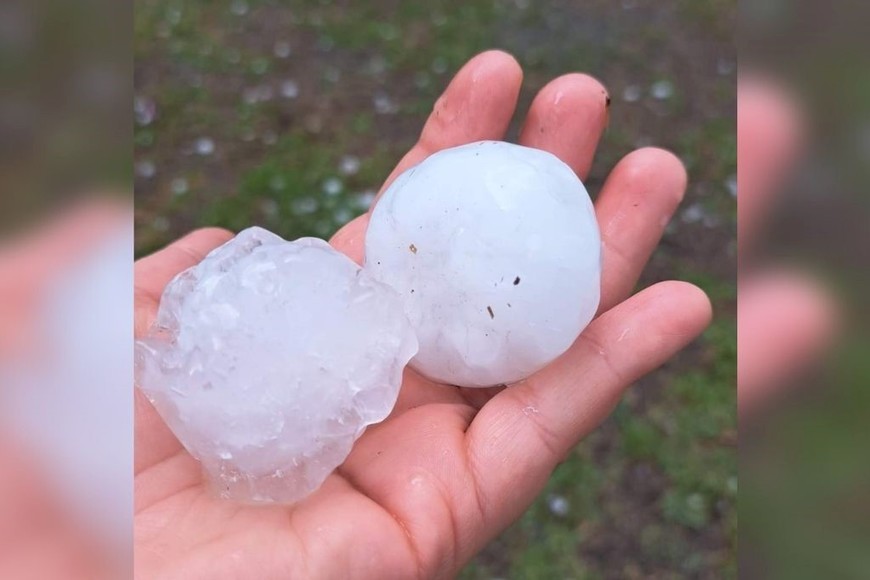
(428, 487)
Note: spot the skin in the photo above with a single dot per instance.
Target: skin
(785, 318)
(39, 536)
(423, 491)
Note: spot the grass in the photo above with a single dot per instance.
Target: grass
(297, 191)
(804, 502)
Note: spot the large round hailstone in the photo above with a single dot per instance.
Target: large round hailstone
(495, 251)
(269, 358)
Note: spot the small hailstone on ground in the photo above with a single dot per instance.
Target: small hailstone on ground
(349, 165)
(384, 104)
(289, 89)
(178, 186)
(731, 185)
(693, 214)
(365, 199)
(332, 186)
(204, 146)
(269, 207)
(559, 505)
(282, 49)
(146, 169)
(269, 358)
(144, 110)
(342, 215)
(632, 94)
(662, 90)
(304, 205)
(495, 250)
(173, 15)
(257, 94)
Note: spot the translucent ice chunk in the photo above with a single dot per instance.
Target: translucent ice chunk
(268, 360)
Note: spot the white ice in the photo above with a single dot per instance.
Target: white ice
(495, 251)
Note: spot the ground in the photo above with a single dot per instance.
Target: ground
(290, 114)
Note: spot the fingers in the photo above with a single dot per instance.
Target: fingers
(477, 105)
(783, 320)
(34, 259)
(528, 428)
(768, 136)
(633, 209)
(567, 118)
(350, 240)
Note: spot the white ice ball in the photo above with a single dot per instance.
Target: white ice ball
(495, 251)
(269, 358)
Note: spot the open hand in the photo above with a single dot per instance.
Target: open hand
(423, 491)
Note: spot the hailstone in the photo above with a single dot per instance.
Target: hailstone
(268, 360)
(495, 252)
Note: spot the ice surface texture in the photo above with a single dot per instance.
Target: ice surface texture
(495, 251)
(268, 360)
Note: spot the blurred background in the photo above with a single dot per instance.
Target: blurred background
(805, 410)
(66, 244)
(290, 114)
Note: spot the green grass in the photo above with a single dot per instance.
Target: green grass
(804, 500)
(285, 192)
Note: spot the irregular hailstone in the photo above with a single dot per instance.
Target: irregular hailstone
(269, 358)
(495, 251)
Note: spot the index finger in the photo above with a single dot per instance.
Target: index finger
(477, 105)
